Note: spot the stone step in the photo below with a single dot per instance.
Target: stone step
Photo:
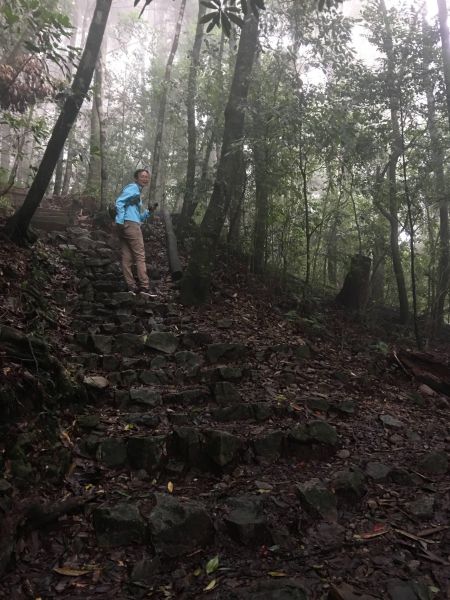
(52, 219)
(211, 450)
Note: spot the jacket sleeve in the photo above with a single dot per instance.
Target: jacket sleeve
(129, 193)
(145, 215)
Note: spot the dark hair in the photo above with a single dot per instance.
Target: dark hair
(136, 173)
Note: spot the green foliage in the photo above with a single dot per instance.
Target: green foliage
(33, 35)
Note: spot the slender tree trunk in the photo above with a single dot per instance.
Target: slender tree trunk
(57, 186)
(71, 146)
(379, 263)
(236, 202)
(98, 98)
(25, 152)
(303, 161)
(212, 131)
(411, 232)
(15, 166)
(17, 226)
(189, 193)
(442, 194)
(332, 252)
(71, 155)
(162, 108)
(93, 182)
(195, 284)
(395, 152)
(6, 146)
(261, 161)
(261, 201)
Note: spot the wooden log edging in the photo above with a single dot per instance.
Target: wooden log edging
(175, 267)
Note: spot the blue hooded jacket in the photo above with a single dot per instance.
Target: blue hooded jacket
(129, 205)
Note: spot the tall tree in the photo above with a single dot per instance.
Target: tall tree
(442, 194)
(17, 226)
(191, 126)
(392, 82)
(196, 282)
(156, 158)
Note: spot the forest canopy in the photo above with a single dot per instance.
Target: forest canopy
(343, 144)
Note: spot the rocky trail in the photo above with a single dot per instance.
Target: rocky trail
(240, 450)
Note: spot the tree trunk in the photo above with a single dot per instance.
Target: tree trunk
(260, 156)
(162, 108)
(236, 202)
(15, 166)
(189, 193)
(93, 181)
(101, 126)
(396, 145)
(441, 193)
(355, 291)
(71, 154)
(211, 131)
(6, 146)
(195, 284)
(17, 226)
(57, 186)
(71, 150)
(379, 260)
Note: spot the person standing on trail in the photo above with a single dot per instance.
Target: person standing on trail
(129, 217)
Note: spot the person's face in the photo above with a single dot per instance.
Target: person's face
(143, 178)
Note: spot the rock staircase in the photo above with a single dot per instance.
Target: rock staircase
(207, 463)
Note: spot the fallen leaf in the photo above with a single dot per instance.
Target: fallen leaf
(277, 574)
(212, 565)
(69, 572)
(211, 585)
(411, 536)
(371, 534)
(170, 487)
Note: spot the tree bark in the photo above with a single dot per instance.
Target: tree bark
(17, 226)
(96, 148)
(211, 131)
(57, 185)
(189, 193)
(396, 145)
(441, 191)
(195, 284)
(260, 156)
(156, 158)
(5, 153)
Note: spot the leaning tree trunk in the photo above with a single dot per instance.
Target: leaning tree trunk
(17, 226)
(156, 158)
(195, 284)
(355, 291)
(191, 127)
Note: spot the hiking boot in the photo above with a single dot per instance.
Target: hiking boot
(132, 292)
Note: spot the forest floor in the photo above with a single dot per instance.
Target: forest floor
(246, 449)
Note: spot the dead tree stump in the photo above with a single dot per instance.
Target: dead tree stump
(355, 291)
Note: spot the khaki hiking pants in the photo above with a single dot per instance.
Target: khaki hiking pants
(133, 251)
